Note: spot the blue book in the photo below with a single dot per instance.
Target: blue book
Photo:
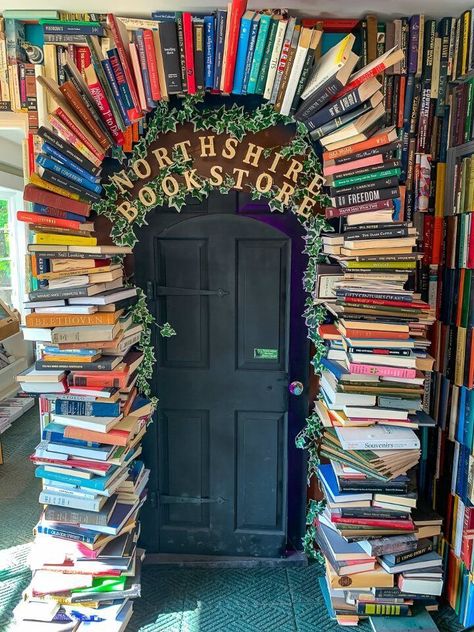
(44, 210)
(120, 78)
(72, 29)
(83, 408)
(209, 46)
(329, 480)
(244, 36)
(250, 51)
(144, 68)
(55, 433)
(334, 367)
(79, 352)
(265, 21)
(68, 532)
(43, 266)
(462, 410)
(221, 20)
(469, 420)
(56, 167)
(98, 483)
(107, 66)
(54, 153)
(164, 16)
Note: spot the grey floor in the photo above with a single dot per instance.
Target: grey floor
(173, 600)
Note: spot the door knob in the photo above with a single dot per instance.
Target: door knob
(296, 388)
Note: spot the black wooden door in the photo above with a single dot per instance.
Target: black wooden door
(220, 444)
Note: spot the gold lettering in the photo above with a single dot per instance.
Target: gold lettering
(230, 145)
(216, 175)
(316, 183)
(305, 207)
(191, 182)
(170, 186)
(128, 211)
(121, 179)
(275, 162)
(295, 168)
(161, 155)
(253, 155)
(285, 193)
(137, 170)
(240, 175)
(183, 146)
(264, 188)
(147, 196)
(207, 146)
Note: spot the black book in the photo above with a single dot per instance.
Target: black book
(380, 233)
(105, 363)
(360, 197)
(171, 58)
(372, 512)
(336, 122)
(68, 150)
(319, 98)
(307, 67)
(68, 185)
(363, 227)
(380, 183)
(182, 61)
(198, 38)
(386, 164)
(423, 546)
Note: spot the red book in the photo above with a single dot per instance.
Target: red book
(384, 137)
(113, 437)
(44, 220)
(114, 379)
(333, 26)
(152, 65)
(98, 94)
(96, 465)
(380, 301)
(82, 57)
(380, 205)
(189, 52)
(367, 333)
(61, 114)
(405, 525)
(48, 198)
(120, 38)
(31, 154)
(238, 9)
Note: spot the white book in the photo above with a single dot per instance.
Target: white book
(384, 360)
(67, 309)
(105, 298)
(376, 413)
(98, 424)
(49, 303)
(33, 375)
(66, 500)
(298, 62)
(272, 69)
(68, 282)
(42, 388)
(421, 586)
(98, 454)
(378, 438)
(338, 400)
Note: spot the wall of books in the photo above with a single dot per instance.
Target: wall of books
(388, 106)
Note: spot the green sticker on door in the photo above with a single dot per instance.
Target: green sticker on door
(265, 354)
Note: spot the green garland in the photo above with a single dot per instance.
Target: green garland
(237, 122)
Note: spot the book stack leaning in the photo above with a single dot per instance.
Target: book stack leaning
(376, 537)
(85, 559)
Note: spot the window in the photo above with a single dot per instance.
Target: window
(12, 249)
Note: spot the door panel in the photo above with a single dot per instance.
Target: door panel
(222, 439)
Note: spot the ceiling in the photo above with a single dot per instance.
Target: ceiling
(320, 8)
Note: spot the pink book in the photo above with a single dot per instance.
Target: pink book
(138, 76)
(368, 207)
(385, 371)
(354, 164)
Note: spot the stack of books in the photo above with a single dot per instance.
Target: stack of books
(85, 559)
(379, 558)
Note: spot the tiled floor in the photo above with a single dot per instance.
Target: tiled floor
(181, 600)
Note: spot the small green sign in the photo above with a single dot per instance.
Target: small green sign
(265, 354)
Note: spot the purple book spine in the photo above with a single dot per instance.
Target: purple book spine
(413, 42)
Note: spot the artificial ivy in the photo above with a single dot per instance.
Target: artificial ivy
(237, 122)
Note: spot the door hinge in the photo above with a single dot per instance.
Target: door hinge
(153, 499)
(195, 500)
(150, 290)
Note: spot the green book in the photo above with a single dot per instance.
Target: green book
(265, 65)
(366, 177)
(27, 15)
(258, 52)
(469, 106)
(68, 22)
(466, 298)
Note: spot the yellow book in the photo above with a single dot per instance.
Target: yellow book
(74, 358)
(465, 44)
(439, 198)
(39, 182)
(63, 240)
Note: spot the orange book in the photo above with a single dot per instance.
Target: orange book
(118, 378)
(366, 333)
(72, 320)
(104, 345)
(120, 435)
(386, 136)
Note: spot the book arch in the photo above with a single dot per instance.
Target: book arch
(193, 149)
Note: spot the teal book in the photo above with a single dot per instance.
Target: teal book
(244, 37)
(265, 21)
(250, 51)
(419, 621)
(267, 55)
(98, 483)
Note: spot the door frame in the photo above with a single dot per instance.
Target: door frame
(298, 367)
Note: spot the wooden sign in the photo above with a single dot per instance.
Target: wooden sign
(255, 162)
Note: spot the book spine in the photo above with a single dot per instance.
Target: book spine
(78, 105)
(82, 408)
(55, 154)
(43, 220)
(285, 50)
(66, 535)
(125, 95)
(258, 52)
(336, 122)
(367, 177)
(109, 73)
(100, 380)
(244, 37)
(151, 63)
(345, 104)
(181, 50)
(47, 198)
(250, 51)
(189, 53)
(285, 78)
(53, 178)
(410, 555)
(238, 8)
(316, 101)
(379, 183)
(42, 365)
(275, 57)
(414, 30)
(136, 113)
(307, 66)
(209, 33)
(103, 106)
(198, 37)
(73, 29)
(68, 501)
(41, 209)
(62, 170)
(170, 53)
(97, 484)
(266, 59)
(363, 197)
(382, 609)
(145, 75)
(76, 143)
(371, 369)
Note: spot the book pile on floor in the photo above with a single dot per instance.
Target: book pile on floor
(85, 559)
(378, 545)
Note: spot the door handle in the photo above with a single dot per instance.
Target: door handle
(296, 388)
(161, 290)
